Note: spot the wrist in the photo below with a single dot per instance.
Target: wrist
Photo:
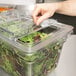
(59, 6)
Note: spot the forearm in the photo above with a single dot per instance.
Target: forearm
(67, 7)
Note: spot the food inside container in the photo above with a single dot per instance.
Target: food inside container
(37, 36)
(18, 63)
(18, 58)
(2, 9)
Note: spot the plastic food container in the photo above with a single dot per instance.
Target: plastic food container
(29, 50)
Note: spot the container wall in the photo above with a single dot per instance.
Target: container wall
(18, 63)
(9, 59)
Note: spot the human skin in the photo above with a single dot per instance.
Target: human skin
(47, 10)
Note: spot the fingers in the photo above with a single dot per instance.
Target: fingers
(36, 11)
(42, 18)
(44, 11)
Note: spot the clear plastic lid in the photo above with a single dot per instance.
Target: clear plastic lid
(9, 15)
(29, 37)
(16, 27)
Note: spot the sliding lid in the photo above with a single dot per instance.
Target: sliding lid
(13, 25)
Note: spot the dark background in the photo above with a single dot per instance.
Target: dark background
(70, 20)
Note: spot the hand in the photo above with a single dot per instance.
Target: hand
(45, 10)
